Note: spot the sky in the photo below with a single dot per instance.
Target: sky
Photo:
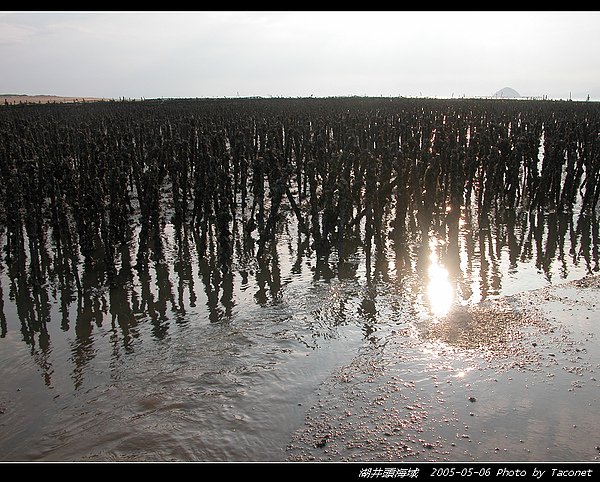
(139, 54)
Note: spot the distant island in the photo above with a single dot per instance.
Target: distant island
(507, 93)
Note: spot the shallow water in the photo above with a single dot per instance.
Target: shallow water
(184, 362)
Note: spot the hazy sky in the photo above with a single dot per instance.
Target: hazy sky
(297, 54)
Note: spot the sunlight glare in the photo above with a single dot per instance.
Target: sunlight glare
(439, 289)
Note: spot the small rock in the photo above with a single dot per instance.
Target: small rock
(472, 399)
(321, 443)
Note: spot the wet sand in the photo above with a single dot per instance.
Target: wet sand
(511, 379)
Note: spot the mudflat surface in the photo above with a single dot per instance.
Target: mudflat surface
(513, 379)
(411, 294)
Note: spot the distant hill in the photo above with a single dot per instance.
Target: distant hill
(507, 93)
(42, 99)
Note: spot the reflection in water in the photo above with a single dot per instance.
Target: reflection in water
(466, 258)
(3, 326)
(268, 280)
(439, 290)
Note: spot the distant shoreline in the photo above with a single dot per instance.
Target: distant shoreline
(26, 99)
(12, 99)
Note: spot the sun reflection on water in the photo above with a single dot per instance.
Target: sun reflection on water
(439, 290)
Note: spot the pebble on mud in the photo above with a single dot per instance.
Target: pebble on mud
(321, 443)
(472, 399)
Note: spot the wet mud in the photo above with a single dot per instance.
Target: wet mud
(514, 379)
